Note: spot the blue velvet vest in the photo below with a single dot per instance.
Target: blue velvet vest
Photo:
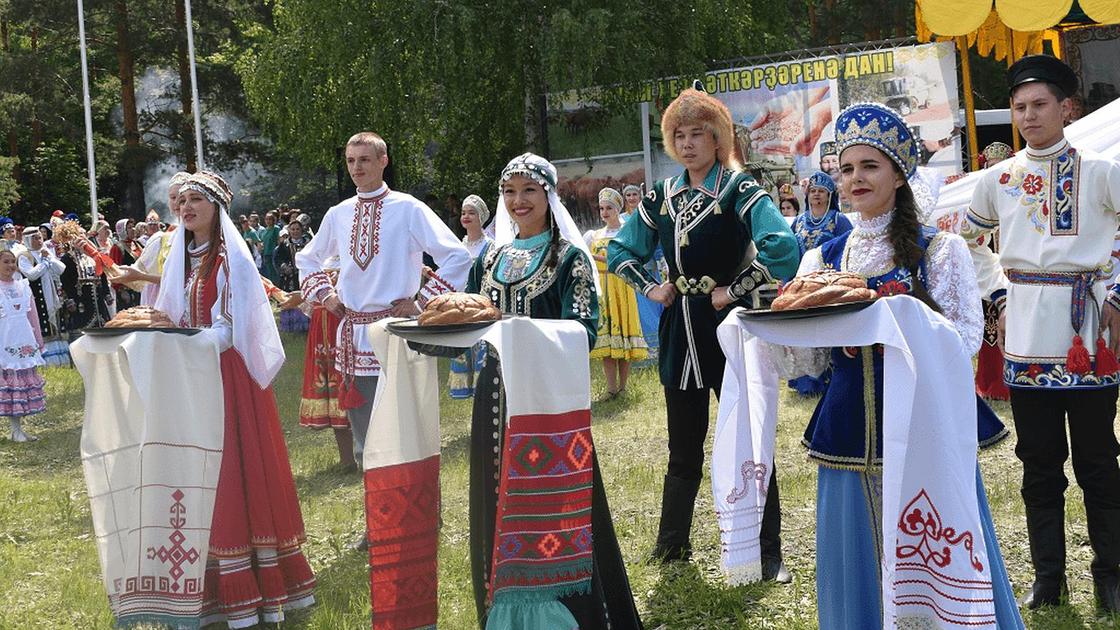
(841, 434)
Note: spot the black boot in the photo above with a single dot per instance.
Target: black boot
(1047, 535)
(770, 536)
(677, 501)
(1104, 537)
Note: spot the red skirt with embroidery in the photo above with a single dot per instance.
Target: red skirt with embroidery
(318, 406)
(255, 569)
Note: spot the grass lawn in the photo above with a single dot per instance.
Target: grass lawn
(50, 578)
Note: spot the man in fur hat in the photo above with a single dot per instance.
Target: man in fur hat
(705, 220)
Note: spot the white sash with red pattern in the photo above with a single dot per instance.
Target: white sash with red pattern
(935, 566)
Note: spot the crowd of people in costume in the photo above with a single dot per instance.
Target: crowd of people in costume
(652, 284)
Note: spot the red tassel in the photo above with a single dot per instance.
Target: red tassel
(1077, 359)
(989, 373)
(1106, 360)
(350, 397)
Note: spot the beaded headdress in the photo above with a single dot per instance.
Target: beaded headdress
(820, 179)
(178, 179)
(212, 186)
(611, 197)
(880, 127)
(629, 188)
(995, 152)
(532, 166)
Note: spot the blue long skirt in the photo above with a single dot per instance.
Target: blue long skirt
(849, 533)
(649, 314)
(464, 371)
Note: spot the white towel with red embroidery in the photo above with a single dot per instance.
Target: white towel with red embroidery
(151, 452)
(403, 444)
(935, 566)
(404, 425)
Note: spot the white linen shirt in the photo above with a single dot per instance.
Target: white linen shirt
(380, 239)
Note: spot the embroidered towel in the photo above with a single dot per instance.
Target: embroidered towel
(549, 404)
(151, 451)
(937, 568)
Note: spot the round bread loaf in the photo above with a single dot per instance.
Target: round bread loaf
(140, 317)
(823, 288)
(458, 308)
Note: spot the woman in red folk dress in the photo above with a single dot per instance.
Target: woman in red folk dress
(322, 382)
(255, 569)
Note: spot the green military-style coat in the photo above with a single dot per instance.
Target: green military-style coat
(707, 235)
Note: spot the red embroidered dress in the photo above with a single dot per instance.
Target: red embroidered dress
(255, 569)
(322, 382)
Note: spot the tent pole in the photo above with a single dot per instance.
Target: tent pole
(1016, 143)
(86, 108)
(969, 104)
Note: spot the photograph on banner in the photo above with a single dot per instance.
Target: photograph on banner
(783, 115)
(784, 112)
(593, 150)
(1092, 52)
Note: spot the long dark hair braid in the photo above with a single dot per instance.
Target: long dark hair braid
(554, 242)
(904, 233)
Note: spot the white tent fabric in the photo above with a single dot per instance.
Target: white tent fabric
(1098, 132)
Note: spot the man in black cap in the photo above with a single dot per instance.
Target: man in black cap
(1056, 210)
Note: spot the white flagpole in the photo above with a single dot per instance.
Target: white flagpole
(194, 89)
(89, 116)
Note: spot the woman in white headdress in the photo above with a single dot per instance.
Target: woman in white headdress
(255, 566)
(43, 271)
(466, 367)
(620, 338)
(149, 265)
(540, 267)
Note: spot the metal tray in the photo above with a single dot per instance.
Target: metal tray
(124, 330)
(805, 313)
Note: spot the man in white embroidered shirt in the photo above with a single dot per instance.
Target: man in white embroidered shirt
(379, 237)
(1056, 209)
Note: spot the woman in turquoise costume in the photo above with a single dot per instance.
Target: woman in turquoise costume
(539, 267)
(897, 255)
(820, 222)
(649, 312)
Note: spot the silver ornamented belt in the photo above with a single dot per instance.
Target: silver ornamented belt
(693, 286)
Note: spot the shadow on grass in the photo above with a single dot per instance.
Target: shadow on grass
(457, 448)
(1063, 618)
(323, 481)
(684, 597)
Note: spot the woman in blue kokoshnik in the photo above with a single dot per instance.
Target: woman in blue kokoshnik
(897, 255)
(820, 222)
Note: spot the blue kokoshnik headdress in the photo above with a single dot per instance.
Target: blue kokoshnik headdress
(881, 127)
(820, 179)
